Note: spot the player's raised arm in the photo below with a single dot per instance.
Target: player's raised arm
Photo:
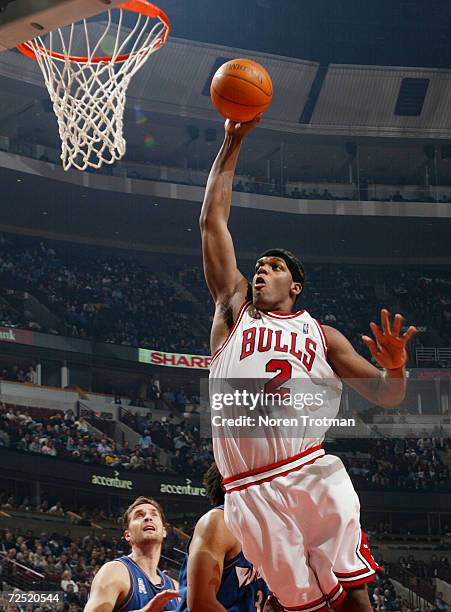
(210, 544)
(221, 273)
(386, 388)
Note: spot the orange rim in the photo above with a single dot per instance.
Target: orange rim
(137, 6)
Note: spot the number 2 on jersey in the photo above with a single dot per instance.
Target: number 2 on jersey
(284, 369)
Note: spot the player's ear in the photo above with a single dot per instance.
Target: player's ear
(127, 536)
(296, 288)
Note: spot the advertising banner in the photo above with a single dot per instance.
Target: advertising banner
(174, 360)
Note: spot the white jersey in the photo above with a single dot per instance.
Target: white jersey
(278, 353)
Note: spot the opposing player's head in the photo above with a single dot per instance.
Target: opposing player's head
(213, 485)
(144, 522)
(278, 280)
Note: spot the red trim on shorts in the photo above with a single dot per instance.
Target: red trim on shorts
(327, 599)
(270, 478)
(353, 583)
(339, 600)
(355, 574)
(231, 330)
(334, 591)
(332, 596)
(363, 552)
(272, 466)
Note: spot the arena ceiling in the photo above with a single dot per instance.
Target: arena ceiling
(387, 32)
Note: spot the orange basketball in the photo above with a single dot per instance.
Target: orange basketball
(241, 89)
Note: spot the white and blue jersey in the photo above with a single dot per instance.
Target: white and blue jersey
(142, 590)
(241, 588)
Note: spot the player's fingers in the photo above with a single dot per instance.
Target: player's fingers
(376, 331)
(371, 345)
(157, 603)
(399, 319)
(169, 594)
(409, 334)
(231, 126)
(385, 320)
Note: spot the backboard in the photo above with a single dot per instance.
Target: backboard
(22, 20)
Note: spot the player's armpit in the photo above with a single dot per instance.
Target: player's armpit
(360, 374)
(109, 586)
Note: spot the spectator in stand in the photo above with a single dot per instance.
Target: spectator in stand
(66, 581)
(107, 298)
(31, 376)
(145, 441)
(57, 509)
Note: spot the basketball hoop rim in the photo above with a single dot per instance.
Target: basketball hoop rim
(136, 6)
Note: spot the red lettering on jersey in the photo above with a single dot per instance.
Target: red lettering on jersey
(283, 348)
(262, 346)
(310, 354)
(293, 351)
(248, 344)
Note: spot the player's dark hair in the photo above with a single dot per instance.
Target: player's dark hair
(213, 485)
(139, 501)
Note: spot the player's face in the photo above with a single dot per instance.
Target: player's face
(145, 526)
(272, 282)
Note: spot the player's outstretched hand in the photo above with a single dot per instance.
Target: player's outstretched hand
(158, 603)
(232, 128)
(389, 348)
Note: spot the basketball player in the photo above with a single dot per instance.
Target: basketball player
(134, 582)
(292, 506)
(215, 575)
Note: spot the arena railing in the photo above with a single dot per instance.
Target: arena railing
(324, 190)
(432, 354)
(420, 588)
(23, 577)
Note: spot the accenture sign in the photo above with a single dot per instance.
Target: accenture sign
(186, 489)
(115, 482)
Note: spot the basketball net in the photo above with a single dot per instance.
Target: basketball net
(89, 92)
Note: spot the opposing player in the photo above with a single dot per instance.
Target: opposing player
(215, 575)
(292, 506)
(134, 582)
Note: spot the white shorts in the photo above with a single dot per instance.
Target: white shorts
(298, 522)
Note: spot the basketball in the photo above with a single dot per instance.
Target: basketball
(241, 89)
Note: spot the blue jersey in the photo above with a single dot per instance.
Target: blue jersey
(241, 588)
(142, 590)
